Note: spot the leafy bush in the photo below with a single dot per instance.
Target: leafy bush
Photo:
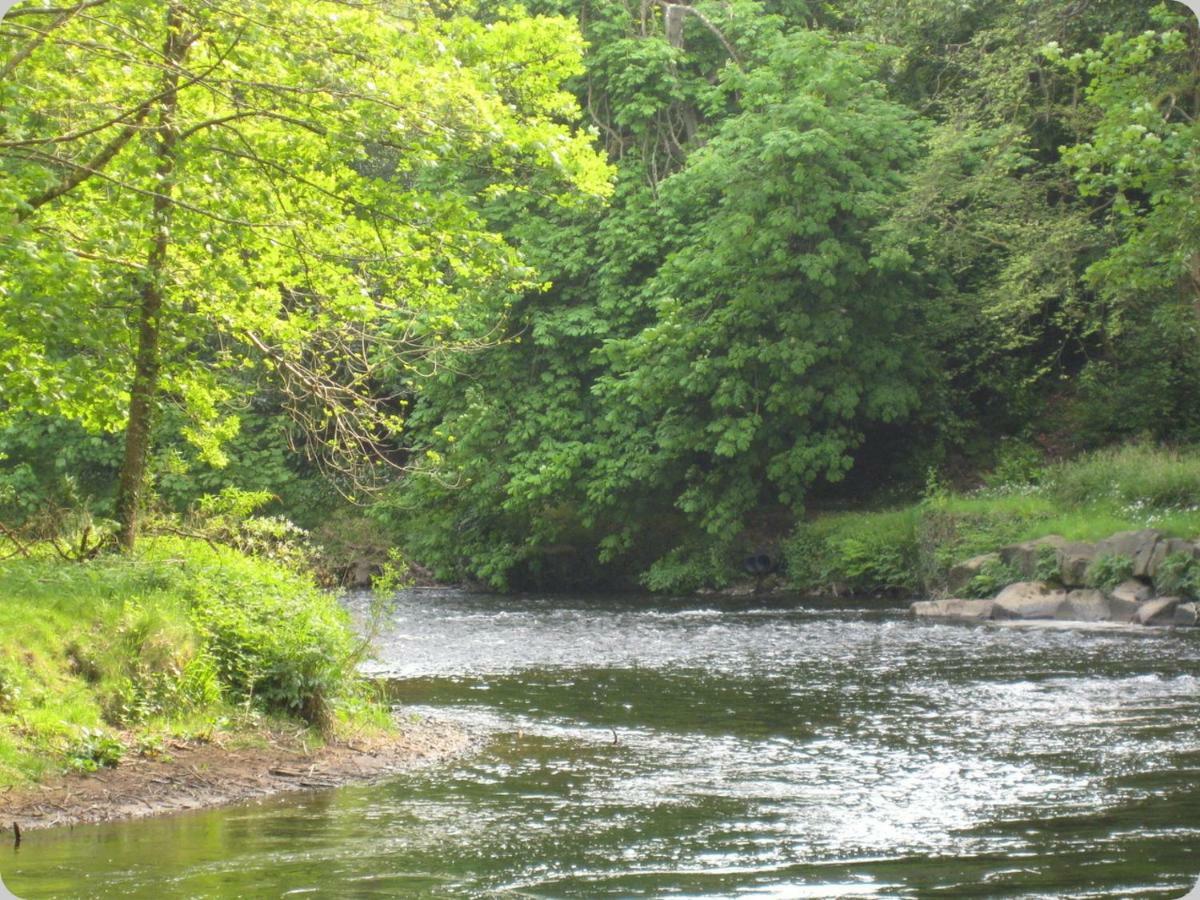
(1017, 465)
(689, 567)
(174, 633)
(871, 553)
(1179, 575)
(1046, 568)
(994, 576)
(1106, 572)
(94, 749)
(272, 636)
(952, 528)
(228, 517)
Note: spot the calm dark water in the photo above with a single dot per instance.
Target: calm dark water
(761, 750)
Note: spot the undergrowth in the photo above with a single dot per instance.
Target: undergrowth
(902, 551)
(185, 638)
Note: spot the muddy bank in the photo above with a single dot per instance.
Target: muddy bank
(195, 775)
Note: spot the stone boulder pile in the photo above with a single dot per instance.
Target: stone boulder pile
(1069, 592)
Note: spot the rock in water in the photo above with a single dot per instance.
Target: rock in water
(1132, 591)
(1160, 611)
(1126, 598)
(1089, 606)
(1031, 600)
(953, 609)
(1187, 614)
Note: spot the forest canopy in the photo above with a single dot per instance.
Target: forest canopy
(588, 290)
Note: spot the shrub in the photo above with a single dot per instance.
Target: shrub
(272, 636)
(864, 553)
(953, 528)
(994, 576)
(94, 749)
(692, 565)
(1018, 465)
(1135, 473)
(1179, 575)
(179, 629)
(1106, 572)
(229, 518)
(1046, 568)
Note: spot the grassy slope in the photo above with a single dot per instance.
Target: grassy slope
(111, 656)
(910, 550)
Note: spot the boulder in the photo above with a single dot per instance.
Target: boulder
(1164, 548)
(1126, 598)
(1088, 606)
(961, 574)
(1073, 562)
(953, 609)
(1147, 557)
(1024, 556)
(1132, 591)
(1187, 614)
(1180, 546)
(1160, 611)
(1128, 543)
(1031, 600)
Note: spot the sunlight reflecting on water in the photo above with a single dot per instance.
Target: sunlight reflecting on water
(724, 749)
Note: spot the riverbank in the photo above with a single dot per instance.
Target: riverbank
(192, 774)
(109, 661)
(919, 550)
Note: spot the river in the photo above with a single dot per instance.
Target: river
(643, 748)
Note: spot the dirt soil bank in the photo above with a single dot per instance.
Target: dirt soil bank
(195, 775)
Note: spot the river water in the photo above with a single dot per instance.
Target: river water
(747, 748)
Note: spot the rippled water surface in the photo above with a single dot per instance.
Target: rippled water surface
(746, 749)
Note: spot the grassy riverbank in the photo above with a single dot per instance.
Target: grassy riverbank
(118, 656)
(910, 549)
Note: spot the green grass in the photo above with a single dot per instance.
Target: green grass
(181, 640)
(909, 549)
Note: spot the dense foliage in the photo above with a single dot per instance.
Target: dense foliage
(199, 198)
(842, 248)
(833, 247)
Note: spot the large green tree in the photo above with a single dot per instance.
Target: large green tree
(192, 188)
(780, 332)
(1139, 163)
(715, 341)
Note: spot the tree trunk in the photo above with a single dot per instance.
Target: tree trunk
(143, 390)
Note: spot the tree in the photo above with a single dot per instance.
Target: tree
(1139, 163)
(516, 443)
(196, 188)
(780, 331)
(715, 341)
(993, 216)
